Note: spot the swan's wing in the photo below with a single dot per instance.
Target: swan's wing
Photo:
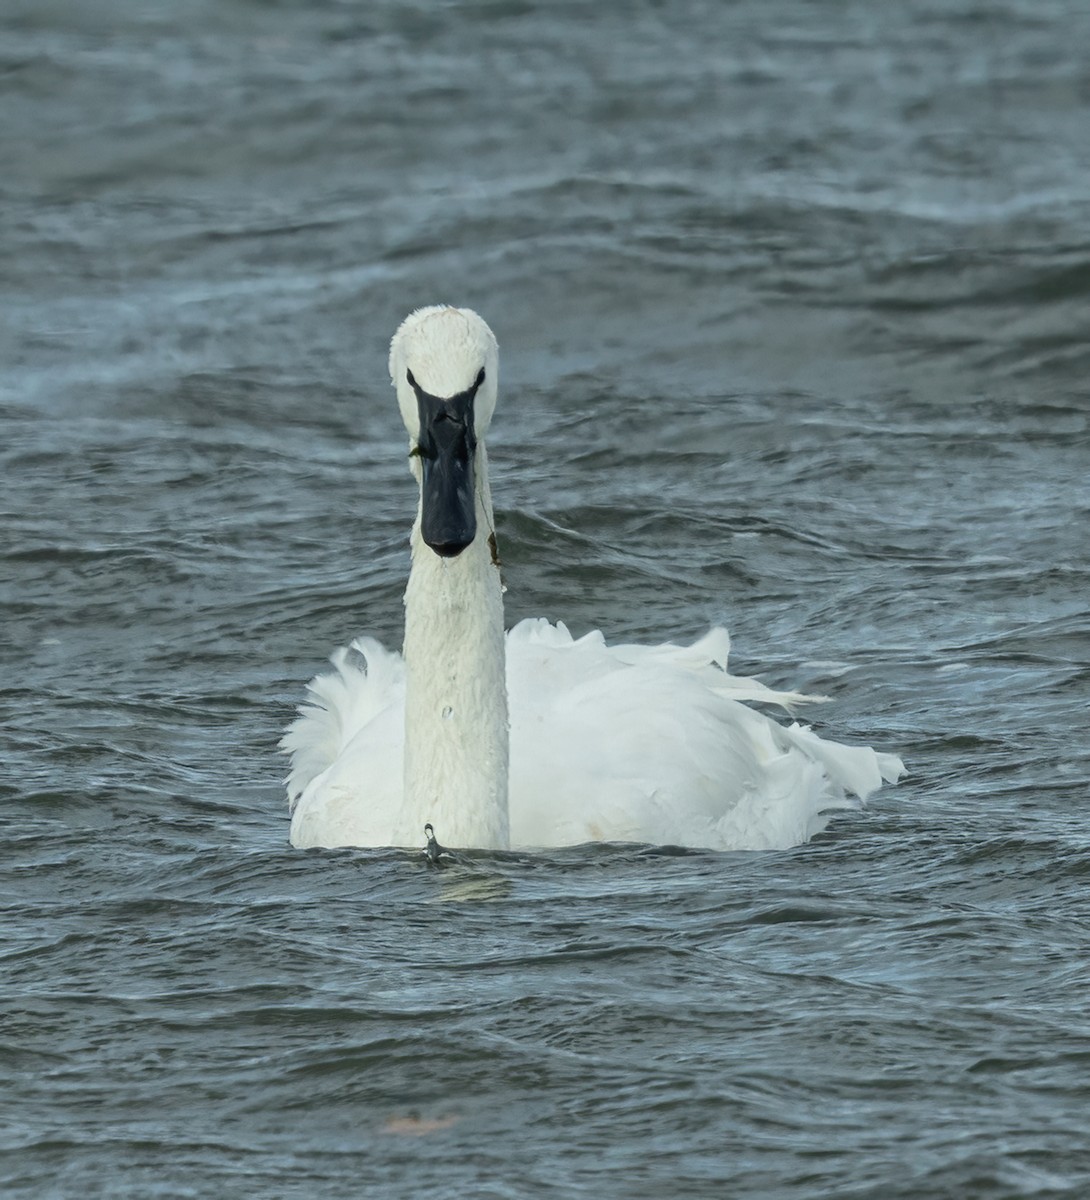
(346, 748)
(654, 744)
(366, 680)
(704, 655)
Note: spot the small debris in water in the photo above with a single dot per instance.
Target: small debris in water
(433, 852)
(414, 1126)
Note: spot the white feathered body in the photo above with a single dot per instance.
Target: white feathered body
(624, 743)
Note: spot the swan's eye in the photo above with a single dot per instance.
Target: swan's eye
(480, 379)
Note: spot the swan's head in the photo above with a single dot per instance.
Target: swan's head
(445, 365)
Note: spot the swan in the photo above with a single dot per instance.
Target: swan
(536, 739)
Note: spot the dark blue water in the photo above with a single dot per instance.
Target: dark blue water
(792, 302)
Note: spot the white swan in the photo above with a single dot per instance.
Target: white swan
(603, 743)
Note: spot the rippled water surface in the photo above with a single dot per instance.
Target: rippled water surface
(792, 301)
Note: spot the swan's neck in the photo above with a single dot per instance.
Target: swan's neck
(456, 692)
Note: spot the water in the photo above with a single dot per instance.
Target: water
(792, 305)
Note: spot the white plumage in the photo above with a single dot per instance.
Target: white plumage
(606, 743)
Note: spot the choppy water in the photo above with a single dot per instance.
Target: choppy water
(793, 305)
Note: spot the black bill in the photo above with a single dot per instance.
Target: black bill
(446, 446)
